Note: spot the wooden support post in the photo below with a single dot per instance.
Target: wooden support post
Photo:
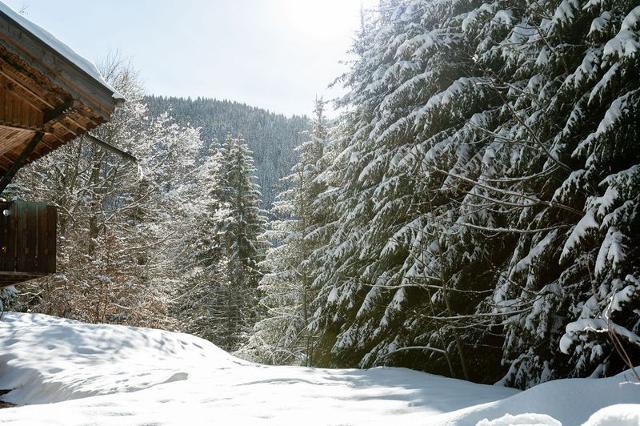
(24, 155)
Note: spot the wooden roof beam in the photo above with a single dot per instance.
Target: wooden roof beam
(9, 174)
(33, 89)
(48, 62)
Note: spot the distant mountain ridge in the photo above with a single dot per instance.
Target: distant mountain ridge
(272, 137)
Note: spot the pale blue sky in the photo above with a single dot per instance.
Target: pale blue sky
(275, 54)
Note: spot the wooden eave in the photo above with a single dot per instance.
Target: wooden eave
(41, 90)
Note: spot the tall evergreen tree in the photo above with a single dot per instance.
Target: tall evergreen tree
(241, 228)
(283, 336)
(218, 297)
(196, 304)
(481, 193)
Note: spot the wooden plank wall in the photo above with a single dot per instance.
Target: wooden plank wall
(27, 241)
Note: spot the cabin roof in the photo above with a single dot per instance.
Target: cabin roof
(46, 88)
(46, 37)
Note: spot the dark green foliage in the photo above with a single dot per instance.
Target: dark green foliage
(481, 212)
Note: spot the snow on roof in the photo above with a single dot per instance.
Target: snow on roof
(47, 38)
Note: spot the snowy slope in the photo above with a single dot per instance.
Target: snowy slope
(104, 374)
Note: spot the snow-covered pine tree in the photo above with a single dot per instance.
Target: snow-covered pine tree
(587, 60)
(282, 335)
(410, 96)
(610, 160)
(196, 304)
(209, 209)
(486, 150)
(241, 229)
(7, 297)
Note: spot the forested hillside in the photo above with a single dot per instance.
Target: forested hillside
(475, 212)
(272, 137)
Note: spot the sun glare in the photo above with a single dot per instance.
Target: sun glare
(322, 19)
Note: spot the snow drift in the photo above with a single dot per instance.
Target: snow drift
(105, 374)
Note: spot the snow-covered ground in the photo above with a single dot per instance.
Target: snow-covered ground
(102, 374)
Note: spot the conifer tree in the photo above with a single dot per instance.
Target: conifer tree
(241, 227)
(481, 193)
(196, 303)
(282, 336)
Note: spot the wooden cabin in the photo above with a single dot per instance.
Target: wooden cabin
(49, 95)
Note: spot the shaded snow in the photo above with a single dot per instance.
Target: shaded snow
(105, 374)
(586, 224)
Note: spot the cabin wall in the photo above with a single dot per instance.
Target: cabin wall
(27, 241)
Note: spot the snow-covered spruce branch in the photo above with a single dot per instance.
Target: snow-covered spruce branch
(499, 230)
(534, 176)
(511, 193)
(479, 315)
(530, 131)
(410, 348)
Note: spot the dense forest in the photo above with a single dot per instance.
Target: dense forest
(272, 137)
(474, 210)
